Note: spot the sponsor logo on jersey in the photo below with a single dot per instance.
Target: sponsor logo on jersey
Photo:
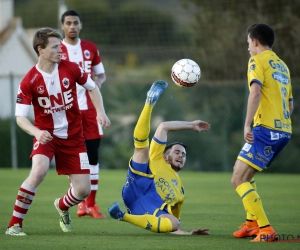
(166, 189)
(35, 76)
(56, 103)
(87, 54)
(40, 89)
(280, 124)
(279, 66)
(66, 82)
(19, 100)
(279, 77)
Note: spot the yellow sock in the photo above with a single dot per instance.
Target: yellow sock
(150, 222)
(248, 215)
(142, 128)
(252, 203)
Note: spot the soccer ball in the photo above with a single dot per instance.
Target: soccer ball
(185, 73)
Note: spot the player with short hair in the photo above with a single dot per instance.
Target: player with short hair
(50, 86)
(270, 106)
(153, 192)
(86, 55)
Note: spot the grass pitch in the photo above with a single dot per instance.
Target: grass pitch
(210, 202)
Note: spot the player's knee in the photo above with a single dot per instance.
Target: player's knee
(36, 176)
(175, 224)
(169, 224)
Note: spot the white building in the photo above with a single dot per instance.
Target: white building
(16, 56)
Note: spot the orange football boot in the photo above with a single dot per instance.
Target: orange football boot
(82, 209)
(266, 234)
(248, 229)
(95, 212)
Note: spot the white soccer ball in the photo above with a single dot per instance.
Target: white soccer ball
(185, 73)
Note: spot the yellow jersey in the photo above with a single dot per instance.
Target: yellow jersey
(273, 75)
(167, 181)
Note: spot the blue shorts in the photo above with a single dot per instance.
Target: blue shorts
(139, 192)
(267, 145)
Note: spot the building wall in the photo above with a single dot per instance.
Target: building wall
(6, 12)
(17, 57)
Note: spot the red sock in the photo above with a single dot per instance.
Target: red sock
(91, 199)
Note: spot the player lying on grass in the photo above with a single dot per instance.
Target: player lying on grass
(153, 192)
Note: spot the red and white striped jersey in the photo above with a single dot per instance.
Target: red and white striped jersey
(54, 98)
(86, 55)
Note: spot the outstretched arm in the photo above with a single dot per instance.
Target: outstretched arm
(165, 127)
(199, 231)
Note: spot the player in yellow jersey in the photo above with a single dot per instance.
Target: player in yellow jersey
(270, 106)
(153, 193)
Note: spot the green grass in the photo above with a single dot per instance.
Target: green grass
(210, 202)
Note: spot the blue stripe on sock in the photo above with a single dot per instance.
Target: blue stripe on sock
(250, 190)
(158, 226)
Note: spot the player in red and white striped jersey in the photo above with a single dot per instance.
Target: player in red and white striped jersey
(50, 87)
(85, 54)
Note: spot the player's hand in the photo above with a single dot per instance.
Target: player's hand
(199, 126)
(43, 136)
(200, 231)
(248, 135)
(103, 120)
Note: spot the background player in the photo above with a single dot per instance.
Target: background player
(270, 105)
(86, 55)
(50, 87)
(153, 192)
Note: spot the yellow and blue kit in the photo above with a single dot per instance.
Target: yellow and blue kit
(272, 126)
(153, 188)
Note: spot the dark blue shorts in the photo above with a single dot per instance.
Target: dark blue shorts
(267, 145)
(139, 192)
